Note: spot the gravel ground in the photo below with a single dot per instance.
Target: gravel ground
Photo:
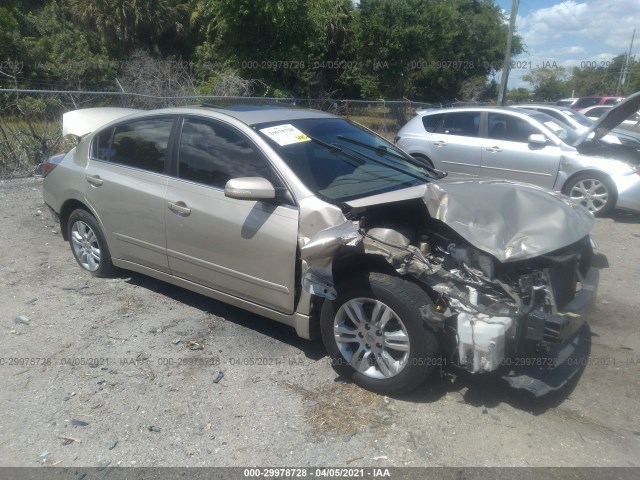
(154, 396)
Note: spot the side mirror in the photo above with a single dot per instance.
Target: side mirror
(537, 139)
(250, 188)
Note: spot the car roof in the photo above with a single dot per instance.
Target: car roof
(255, 114)
(551, 107)
(521, 111)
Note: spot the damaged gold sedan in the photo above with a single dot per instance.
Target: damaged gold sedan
(316, 222)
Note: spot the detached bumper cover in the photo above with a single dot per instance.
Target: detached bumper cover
(557, 368)
(551, 371)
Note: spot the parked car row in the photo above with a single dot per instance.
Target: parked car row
(530, 146)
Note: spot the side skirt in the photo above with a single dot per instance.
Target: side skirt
(300, 322)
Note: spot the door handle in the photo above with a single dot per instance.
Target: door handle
(180, 208)
(94, 180)
(440, 143)
(494, 149)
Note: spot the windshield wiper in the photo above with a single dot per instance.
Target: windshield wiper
(337, 149)
(340, 149)
(383, 148)
(422, 178)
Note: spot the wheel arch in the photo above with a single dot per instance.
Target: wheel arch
(345, 267)
(590, 171)
(65, 212)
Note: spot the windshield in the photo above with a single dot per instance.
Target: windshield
(560, 129)
(579, 117)
(340, 161)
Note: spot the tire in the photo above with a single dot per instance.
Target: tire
(88, 244)
(595, 191)
(411, 350)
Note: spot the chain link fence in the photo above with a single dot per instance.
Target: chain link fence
(31, 120)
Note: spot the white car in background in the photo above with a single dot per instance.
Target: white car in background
(580, 123)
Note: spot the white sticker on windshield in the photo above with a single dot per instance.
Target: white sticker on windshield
(285, 134)
(554, 127)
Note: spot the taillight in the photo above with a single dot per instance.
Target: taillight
(51, 163)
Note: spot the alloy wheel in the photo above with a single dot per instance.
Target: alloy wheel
(371, 338)
(591, 193)
(85, 246)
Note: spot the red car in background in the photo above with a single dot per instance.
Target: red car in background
(585, 102)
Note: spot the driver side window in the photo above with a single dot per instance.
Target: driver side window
(212, 153)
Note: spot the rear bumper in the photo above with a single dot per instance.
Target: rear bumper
(55, 215)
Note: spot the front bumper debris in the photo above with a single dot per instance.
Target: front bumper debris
(552, 369)
(550, 373)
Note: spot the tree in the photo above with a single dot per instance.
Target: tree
(597, 80)
(427, 49)
(59, 53)
(281, 42)
(128, 24)
(549, 84)
(519, 95)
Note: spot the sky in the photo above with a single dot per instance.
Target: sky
(572, 33)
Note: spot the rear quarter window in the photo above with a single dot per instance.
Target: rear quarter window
(138, 144)
(431, 122)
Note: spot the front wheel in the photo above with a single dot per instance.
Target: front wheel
(596, 192)
(375, 334)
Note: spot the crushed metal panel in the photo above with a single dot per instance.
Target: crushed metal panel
(317, 256)
(319, 239)
(511, 221)
(87, 120)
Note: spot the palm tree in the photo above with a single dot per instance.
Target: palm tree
(128, 21)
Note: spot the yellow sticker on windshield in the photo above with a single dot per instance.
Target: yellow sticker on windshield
(285, 134)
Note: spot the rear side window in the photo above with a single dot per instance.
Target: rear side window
(211, 153)
(431, 122)
(139, 144)
(102, 144)
(466, 124)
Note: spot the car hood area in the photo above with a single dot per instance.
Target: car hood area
(508, 220)
(611, 120)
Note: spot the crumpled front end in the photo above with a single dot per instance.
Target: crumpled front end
(509, 288)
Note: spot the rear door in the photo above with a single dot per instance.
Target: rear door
(456, 144)
(244, 248)
(506, 153)
(126, 181)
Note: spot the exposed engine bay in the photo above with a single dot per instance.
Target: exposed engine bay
(487, 310)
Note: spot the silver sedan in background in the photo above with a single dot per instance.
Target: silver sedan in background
(532, 147)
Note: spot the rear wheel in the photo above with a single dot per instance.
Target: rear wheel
(375, 334)
(594, 191)
(89, 245)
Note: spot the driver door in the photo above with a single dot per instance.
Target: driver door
(244, 248)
